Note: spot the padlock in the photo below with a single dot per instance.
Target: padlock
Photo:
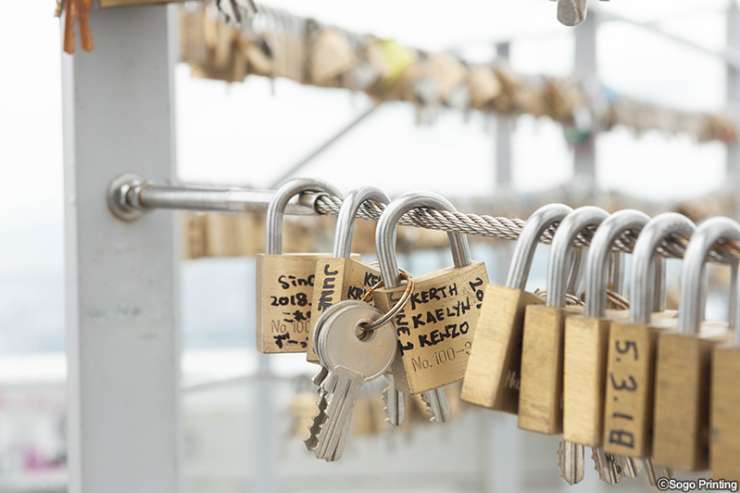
(682, 373)
(493, 371)
(541, 392)
(724, 451)
(628, 410)
(587, 335)
(342, 277)
(435, 328)
(285, 281)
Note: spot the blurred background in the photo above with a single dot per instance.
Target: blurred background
(253, 132)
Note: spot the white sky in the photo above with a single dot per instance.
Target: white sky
(243, 134)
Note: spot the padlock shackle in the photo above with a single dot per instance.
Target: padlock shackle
(707, 234)
(537, 223)
(347, 214)
(598, 255)
(385, 233)
(646, 267)
(557, 268)
(276, 209)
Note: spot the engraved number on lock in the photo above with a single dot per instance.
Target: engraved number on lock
(623, 383)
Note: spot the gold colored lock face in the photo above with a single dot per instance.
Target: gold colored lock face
(586, 341)
(284, 295)
(725, 418)
(492, 378)
(435, 329)
(493, 373)
(629, 389)
(541, 392)
(541, 389)
(587, 336)
(337, 279)
(680, 438)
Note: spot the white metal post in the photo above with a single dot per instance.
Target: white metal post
(585, 67)
(121, 278)
(504, 131)
(502, 469)
(733, 89)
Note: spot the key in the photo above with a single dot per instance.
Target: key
(395, 403)
(319, 380)
(606, 466)
(629, 467)
(350, 362)
(653, 473)
(329, 313)
(570, 461)
(437, 405)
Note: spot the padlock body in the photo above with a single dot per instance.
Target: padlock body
(494, 366)
(681, 419)
(337, 279)
(284, 293)
(628, 413)
(435, 329)
(584, 377)
(541, 386)
(725, 414)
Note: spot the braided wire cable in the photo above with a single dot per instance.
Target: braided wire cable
(506, 228)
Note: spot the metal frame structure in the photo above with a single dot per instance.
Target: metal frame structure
(122, 311)
(123, 351)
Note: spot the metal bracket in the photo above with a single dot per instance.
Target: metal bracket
(122, 197)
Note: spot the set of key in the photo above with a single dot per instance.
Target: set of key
(349, 358)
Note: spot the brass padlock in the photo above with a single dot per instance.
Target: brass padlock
(341, 277)
(587, 335)
(541, 393)
(682, 373)
(628, 412)
(493, 371)
(286, 281)
(435, 328)
(724, 452)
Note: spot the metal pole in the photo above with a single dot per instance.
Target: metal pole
(121, 281)
(504, 131)
(730, 54)
(585, 66)
(502, 447)
(321, 148)
(732, 165)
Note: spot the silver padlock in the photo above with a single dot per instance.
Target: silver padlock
(435, 328)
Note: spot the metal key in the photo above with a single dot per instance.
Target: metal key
(570, 461)
(319, 380)
(350, 362)
(437, 404)
(653, 473)
(395, 402)
(328, 314)
(630, 468)
(606, 466)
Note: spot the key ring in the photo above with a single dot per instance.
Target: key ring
(388, 316)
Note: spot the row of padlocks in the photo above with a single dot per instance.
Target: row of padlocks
(645, 388)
